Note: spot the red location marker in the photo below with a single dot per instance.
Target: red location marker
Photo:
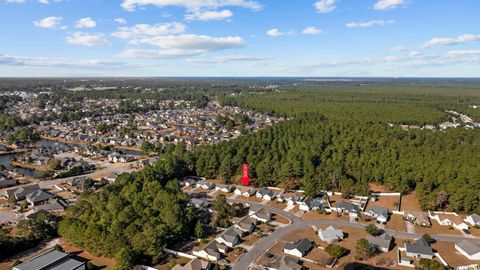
(245, 179)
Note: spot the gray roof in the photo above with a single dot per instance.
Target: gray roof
(288, 263)
(302, 245)
(263, 213)
(382, 241)
(21, 192)
(57, 204)
(43, 261)
(331, 233)
(245, 223)
(7, 182)
(475, 218)
(469, 247)
(69, 264)
(419, 247)
(38, 196)
(231, 234)
(378, 210)
(347, 206)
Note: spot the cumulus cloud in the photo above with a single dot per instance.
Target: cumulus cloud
(368, 23)
(181, 45)
(209, 15)
(86, 23)
(465, 38)
(146, 30)
(274, 32)
(311, 30)
(120, 20)
(325, 6)
(388, 4)
(131, 5)
(462, 53)
(85, 39)
(48, 22)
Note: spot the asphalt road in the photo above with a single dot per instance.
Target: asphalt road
(264, 244)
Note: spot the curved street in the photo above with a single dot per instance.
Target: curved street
(266, 243)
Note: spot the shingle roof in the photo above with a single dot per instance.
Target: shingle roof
(469, 247)
(288, 263)
(331, 233)
(38, 196)
(42, 261)
(382, 241)
(378, 210)
(302, 245)
(419, 247)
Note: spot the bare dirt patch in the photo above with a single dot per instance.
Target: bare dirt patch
(280, 219)
(396, 222)
(410, 203)
(390, 202)
(105, 263)
(437, 229)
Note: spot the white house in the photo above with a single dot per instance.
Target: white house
(473, 219)
(261, 215)
(449, 220)
(299, 248)
(330, 235)
(469, 249)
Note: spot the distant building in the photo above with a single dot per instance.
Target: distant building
(51, 260)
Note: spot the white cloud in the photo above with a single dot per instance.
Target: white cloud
(325, 6)
(311, 30)
(465, 38)
(274, 32)
(44, 62)
(462, 53)
(415, 54)
(231, 58)
(131, 5)
(184, 45)
(209, 15)
(388, 4)
(48, 22)
(146, 30)
(86, 23)
(368, 23)
(15, 1)
(120, 20)
(85, 39)
(398, 49)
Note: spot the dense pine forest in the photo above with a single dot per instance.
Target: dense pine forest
(336, 138)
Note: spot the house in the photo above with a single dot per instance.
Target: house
(200, 203)
(420, 249)
(330, 235)
(379, 213)
(194, 264)
(55, 205)
(51, 260)
(469, 249)
(260, 215)
(111, 177)
(245, 192)
(4, 182)
(310, 204)
(266, 194)
(473, 219)
(205, 185)
(224, 188)
(230, 237)
(299, 248)
(418, 218)
(21, 192)
(449, 220)
(38, 197)
(349, 208)
(81, 182)
(211, 252)
(285, 263)
(382, 242)
(246, 224)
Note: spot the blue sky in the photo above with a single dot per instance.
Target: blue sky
(421, 38)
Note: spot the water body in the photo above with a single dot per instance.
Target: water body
(5, 163)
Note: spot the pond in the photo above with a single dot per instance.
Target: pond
(5, 163)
